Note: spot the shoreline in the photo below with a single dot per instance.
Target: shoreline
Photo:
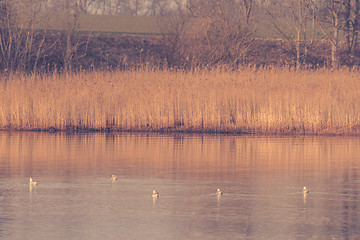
(185, 132)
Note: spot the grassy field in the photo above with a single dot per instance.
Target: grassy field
(265, 101)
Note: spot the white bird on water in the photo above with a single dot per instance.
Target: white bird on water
(32, 183)
(155, 194)
(113, 178)
(305, 190)
(218, 192)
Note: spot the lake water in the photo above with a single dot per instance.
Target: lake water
(261, 179)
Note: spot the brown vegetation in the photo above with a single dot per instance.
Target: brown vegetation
(259, 101)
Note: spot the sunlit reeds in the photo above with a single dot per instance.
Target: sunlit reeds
(267, 101)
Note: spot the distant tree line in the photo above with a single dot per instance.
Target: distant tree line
(197, 33)
(226, 30)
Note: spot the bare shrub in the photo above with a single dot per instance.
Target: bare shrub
(208, 34)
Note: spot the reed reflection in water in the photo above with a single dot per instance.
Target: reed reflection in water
(261, 179)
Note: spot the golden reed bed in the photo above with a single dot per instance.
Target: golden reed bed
(266, 101)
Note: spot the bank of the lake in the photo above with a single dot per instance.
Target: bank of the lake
(251, 101)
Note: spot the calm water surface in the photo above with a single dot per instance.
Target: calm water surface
(261, 178)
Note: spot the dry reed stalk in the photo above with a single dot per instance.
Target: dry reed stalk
(265, 101)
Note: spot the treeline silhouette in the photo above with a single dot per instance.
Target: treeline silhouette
(202, 34)
(45, 53)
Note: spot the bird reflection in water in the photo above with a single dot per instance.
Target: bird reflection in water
(305, 192)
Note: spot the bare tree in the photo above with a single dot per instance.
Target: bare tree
(302, 13)
(356, 26)
(21, 47)
(335, 10)
(351, 24)
(347, 19)
(337, 19)
(72, 11)
(219, 33)
(247, 10)
(174, 31)
(34, 47)
(306, 13)
(336, 14)
(160, 7)
(130, 7)
(9, 35)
